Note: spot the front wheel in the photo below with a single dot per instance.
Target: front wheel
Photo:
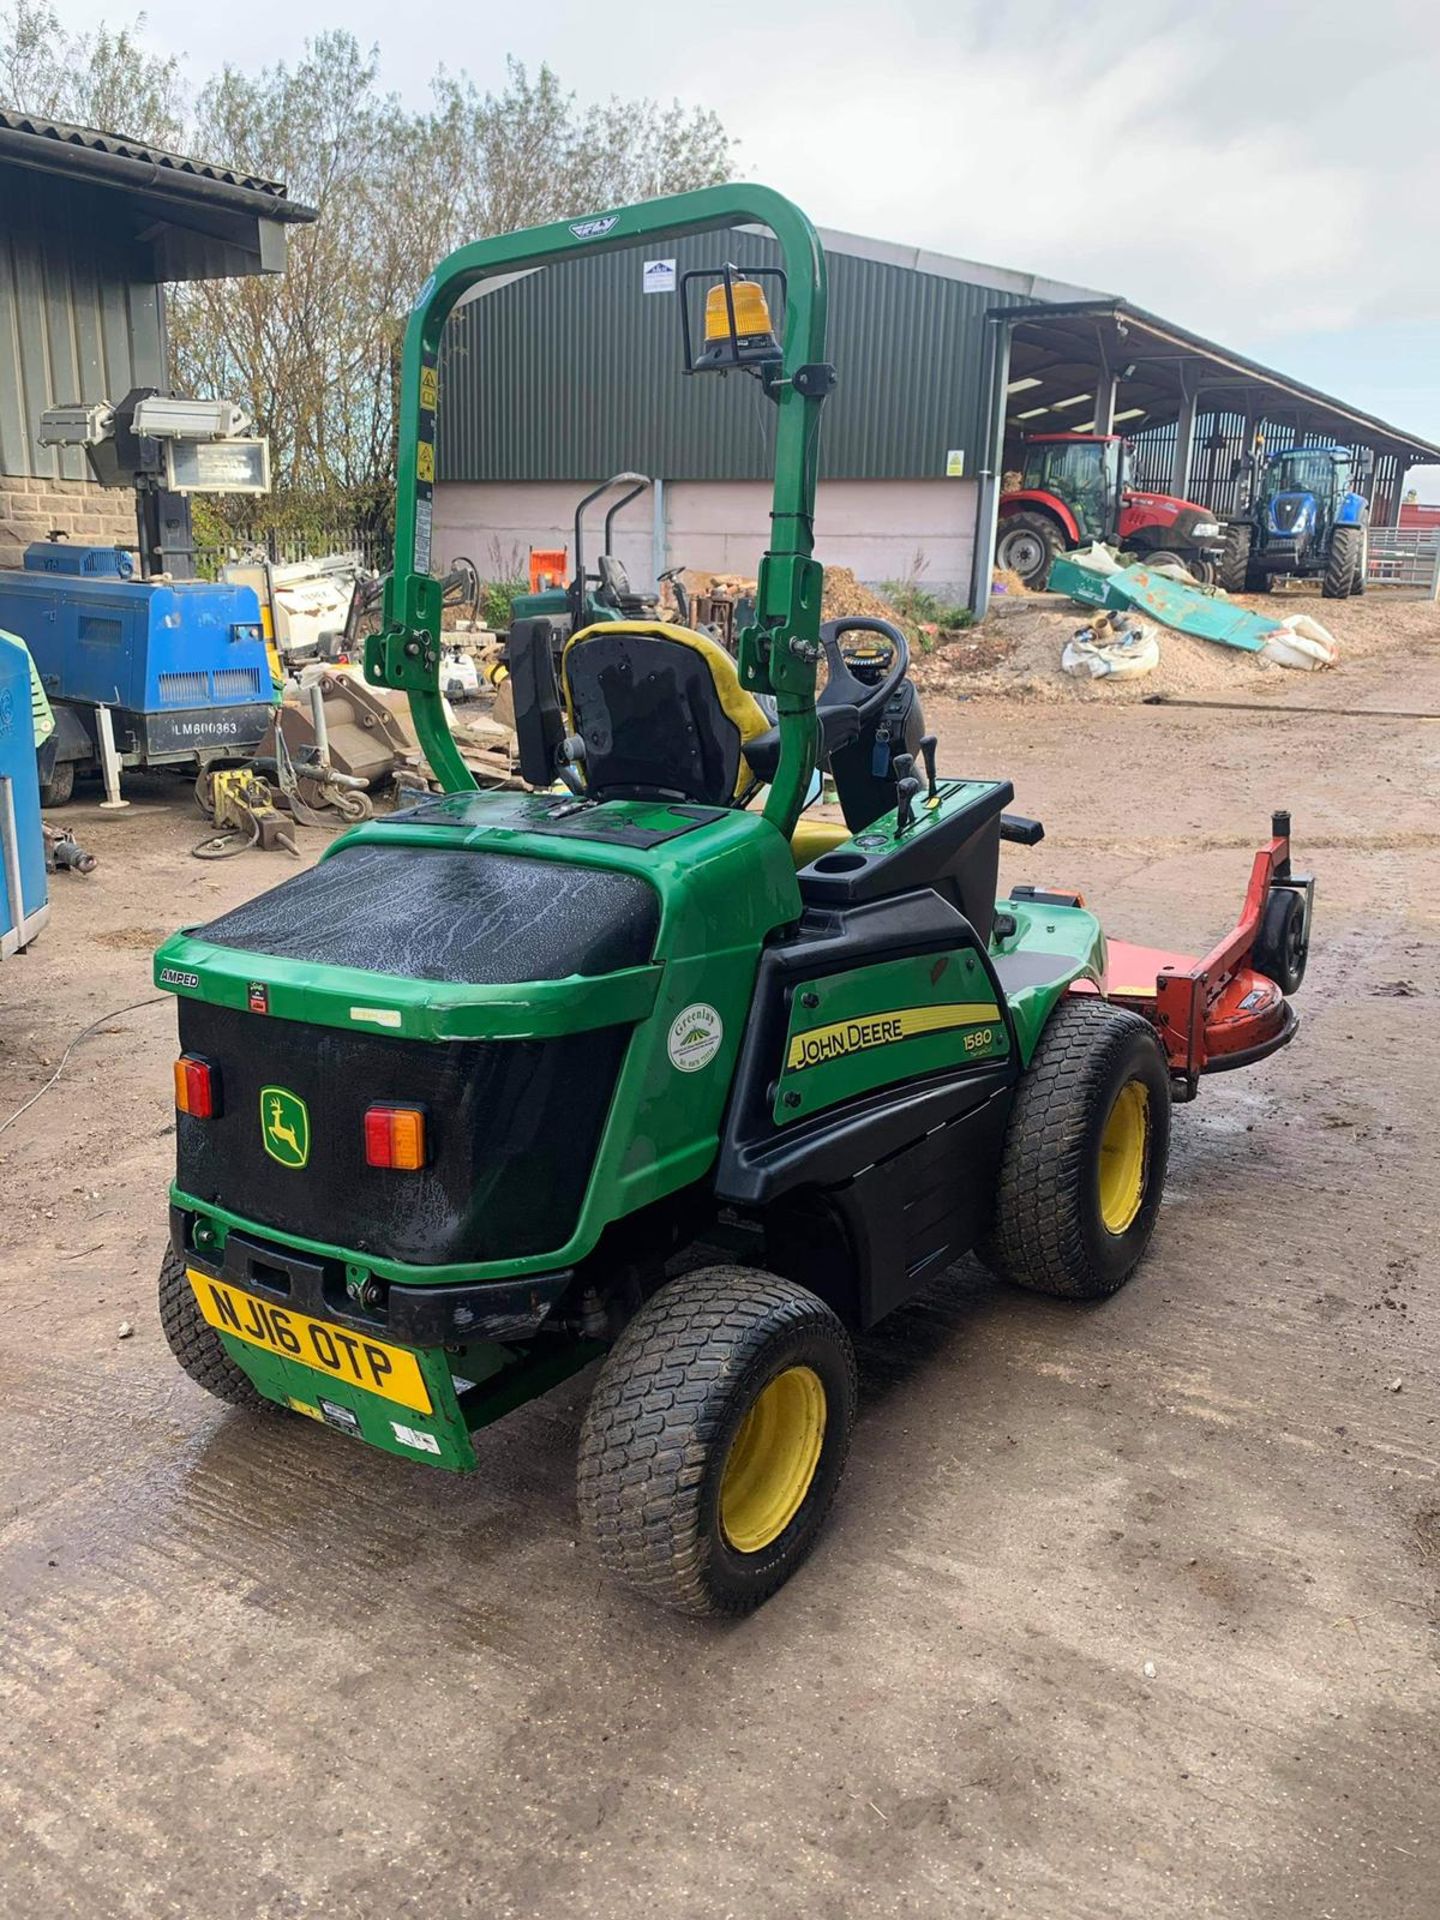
(715, 1440)
(1083, 1166)
(1235, 559)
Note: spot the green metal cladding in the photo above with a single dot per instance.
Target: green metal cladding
(606, 358)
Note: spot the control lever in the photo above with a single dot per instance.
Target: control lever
(907, 788)
(927, 749)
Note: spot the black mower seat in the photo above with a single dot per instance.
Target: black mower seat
(661, 713)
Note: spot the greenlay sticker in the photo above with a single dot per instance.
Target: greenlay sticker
(695, 1037)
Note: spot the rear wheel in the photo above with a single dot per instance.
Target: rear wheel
(715, 1440)
(1362, 565)
(1027, 543)
(196, 1344)
(1342, 563)
(1235, 560)
(1084, 1162)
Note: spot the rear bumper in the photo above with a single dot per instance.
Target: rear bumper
(414, 1316)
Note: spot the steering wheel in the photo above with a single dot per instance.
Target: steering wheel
(845, 689)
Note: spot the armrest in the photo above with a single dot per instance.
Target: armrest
(838, 727)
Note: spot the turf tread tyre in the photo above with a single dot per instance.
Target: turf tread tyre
(195, 1343)
(1047, 1235)
(666, 1407)
(1342, 563)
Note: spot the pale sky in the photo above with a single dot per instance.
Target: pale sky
(1263, 171)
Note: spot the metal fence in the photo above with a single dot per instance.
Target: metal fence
(376, 550)
(1222, 445)
(1404, 556)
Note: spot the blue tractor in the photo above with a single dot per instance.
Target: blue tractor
(1305, 520)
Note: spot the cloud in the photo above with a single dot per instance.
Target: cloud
(1252, 171)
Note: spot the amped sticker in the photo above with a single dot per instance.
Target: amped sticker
(695, 1037)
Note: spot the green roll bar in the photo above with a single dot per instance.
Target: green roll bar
(778, 654)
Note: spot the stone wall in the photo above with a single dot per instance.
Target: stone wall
(86, 514)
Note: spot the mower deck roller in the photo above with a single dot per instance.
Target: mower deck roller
(462, 1108)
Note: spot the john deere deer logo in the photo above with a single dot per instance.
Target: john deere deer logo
(285, 1126)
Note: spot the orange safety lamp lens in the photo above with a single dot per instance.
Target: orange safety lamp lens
(197, 1087)
(395, 1137)
(752, 312)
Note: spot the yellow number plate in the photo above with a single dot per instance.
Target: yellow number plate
(392, 1372)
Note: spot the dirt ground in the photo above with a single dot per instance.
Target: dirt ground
(1123, 1611)
(1016, 654)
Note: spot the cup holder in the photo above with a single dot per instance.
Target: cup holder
(840, 862)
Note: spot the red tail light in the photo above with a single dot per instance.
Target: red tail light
(395, 1137)
(197, 1087)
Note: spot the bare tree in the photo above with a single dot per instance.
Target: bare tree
(103, 79)
(314, 354)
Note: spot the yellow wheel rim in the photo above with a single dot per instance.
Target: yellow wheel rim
(772, 1459)
(1122, 1157)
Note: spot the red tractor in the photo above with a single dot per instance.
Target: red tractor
(1073, 489)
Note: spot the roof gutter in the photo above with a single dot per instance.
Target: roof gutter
(45, 155)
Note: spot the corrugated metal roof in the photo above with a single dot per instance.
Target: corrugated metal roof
(52, 137)
(573, 372)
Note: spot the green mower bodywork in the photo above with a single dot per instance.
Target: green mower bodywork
(632, 1016)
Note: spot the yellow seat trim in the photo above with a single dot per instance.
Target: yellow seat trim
(740, 707)
(811, 838)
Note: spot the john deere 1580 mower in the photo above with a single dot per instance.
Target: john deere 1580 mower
(482, 1097)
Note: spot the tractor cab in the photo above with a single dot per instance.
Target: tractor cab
(1075, 488)
(1085, 474)
(1305, 490)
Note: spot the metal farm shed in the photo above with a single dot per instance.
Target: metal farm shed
(554, 379)
(92, 227)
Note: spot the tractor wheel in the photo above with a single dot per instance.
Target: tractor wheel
(1343, 563)
(60, 787)
(1084, 1160)
(1164, 557)
(715, 1440)
(1362, 565)
(196, 1344)
(1282, 945)
(1027, 544)
(1235, 560)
